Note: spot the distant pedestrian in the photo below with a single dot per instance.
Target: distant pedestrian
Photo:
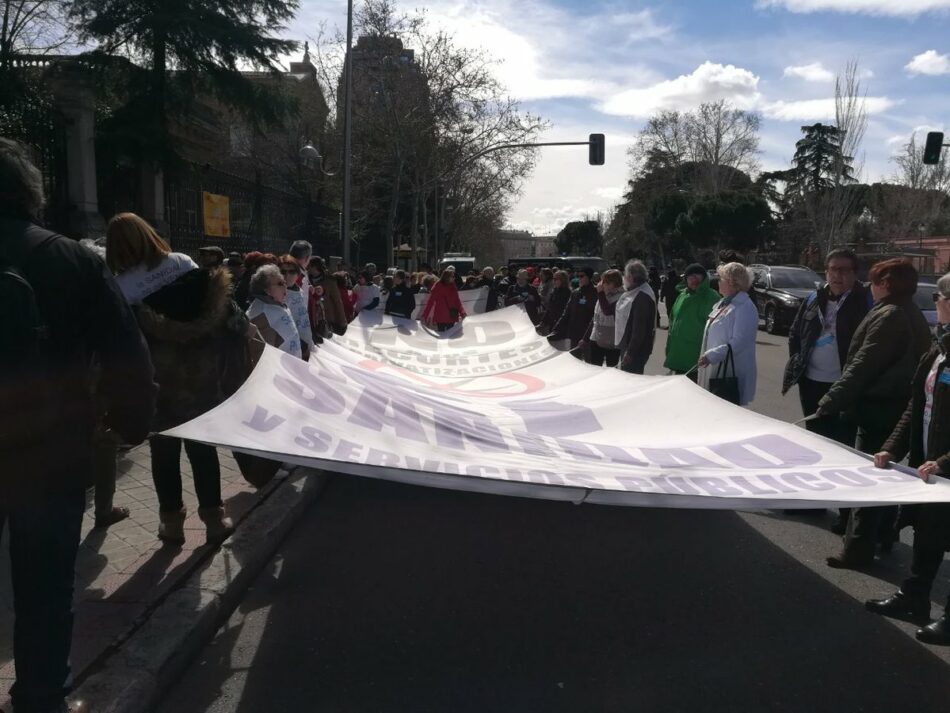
(577, 316)
(557, 303)
(731, 331)
(444, 308)
(487, 279)
(525, 294)
(688, 321)
(401, 301)
(656, 282)
(326, 290)
(62, 309)
(668, 292)
(366, 292)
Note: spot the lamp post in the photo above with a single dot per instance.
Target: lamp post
(347, 130)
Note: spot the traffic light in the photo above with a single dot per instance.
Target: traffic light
(933, 147)
(596, 148)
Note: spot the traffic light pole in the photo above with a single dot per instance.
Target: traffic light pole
(348, 133)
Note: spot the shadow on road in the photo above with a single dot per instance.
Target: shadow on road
(395, 598)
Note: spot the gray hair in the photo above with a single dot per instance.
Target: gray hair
(21, 183)
(262, 278)
(488, 273)
(737, 274)
(943, 286)
(636, 271)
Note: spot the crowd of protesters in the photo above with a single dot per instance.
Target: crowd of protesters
(165, 338)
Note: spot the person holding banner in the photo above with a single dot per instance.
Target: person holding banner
(444, 309)
(729, 337)
(922, 435)
(578, 314)
(524, 293)
(688, 321)
(635, 323)
(557, 303)
(601, 336)
(400, 302)
(269, 312)
(873, 390)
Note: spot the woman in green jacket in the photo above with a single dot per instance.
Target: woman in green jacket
(688, 320)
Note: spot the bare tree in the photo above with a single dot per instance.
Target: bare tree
(919, 193)
(32, 27)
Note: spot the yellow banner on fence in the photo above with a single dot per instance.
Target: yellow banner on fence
(217, 215)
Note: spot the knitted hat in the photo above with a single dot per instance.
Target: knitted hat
(695, 269)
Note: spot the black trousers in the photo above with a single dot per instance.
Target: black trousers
(835, 427)
(923, 571)
(637, 366)
(44, 540)
(166, 472)
(598, 356)
(868, 526)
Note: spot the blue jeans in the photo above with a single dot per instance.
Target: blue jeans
(44, 540)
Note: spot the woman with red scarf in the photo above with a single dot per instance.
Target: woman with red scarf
(444, 309)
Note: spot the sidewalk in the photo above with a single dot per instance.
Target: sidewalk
(123, 571)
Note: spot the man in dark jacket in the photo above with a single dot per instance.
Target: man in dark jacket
(488, 280)
(668, 291)
(635, 321)
(579, 312)
(818, 344)
(48, 418)
(524, 293)
(401, 301)
(875, 386)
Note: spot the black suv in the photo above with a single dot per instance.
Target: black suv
(778, 292)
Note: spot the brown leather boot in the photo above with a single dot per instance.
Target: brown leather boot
(218, 526)
(171, 527)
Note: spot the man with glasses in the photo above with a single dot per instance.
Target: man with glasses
(818, 345)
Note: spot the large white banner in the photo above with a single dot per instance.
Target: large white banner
(492, 408)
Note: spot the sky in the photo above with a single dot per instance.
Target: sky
(607, 66)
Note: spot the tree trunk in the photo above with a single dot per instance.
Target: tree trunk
(414, 232)
(391, 218)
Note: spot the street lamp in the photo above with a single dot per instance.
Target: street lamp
(311, 158)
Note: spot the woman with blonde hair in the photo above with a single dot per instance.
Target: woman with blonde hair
(189, 320)
(728, 346)
(142, 262)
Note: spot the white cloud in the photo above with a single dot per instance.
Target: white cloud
(929, 62)
(814, 72)
(893, 8)
(611, 193)
(709, 82)
(818, 109)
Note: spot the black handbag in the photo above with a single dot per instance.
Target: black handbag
(724, 386)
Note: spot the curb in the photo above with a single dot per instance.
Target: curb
(134, 676)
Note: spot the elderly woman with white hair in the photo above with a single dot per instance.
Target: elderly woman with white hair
(269, 311)
(729, 339)
(635, 323)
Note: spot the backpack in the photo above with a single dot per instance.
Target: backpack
(25, 374)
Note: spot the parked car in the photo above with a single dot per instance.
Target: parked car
(778, 292)
(924, 299)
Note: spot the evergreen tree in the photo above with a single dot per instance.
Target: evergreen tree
(818, 164)
(189, 47)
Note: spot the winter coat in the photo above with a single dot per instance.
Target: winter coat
(602, 332)
(882, 360)
(668, 291)
(401, 302)
(733, 325)
(931, 521)
(807, 328)
(637, 330)
(276, 324)
(687, 325)
(557, 303)
(577, 316)
(333, 309)
(189, 326)
(53, 408)
(367, 297)
(444, 305)
(528, 296)
(491, 303)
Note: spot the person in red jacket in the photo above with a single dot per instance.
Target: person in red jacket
(444, 308)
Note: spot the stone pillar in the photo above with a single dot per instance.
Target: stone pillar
(75, 98)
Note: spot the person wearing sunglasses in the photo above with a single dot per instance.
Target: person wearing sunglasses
(922, 436)
(269, 312)
(298, 301)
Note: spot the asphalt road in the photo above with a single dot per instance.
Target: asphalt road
(396, 598)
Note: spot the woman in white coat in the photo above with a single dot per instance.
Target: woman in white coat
(733, 322)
